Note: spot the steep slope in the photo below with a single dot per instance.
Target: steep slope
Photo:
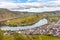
(26, 18)
(6, 14)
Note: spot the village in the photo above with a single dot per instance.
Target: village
(51, 29)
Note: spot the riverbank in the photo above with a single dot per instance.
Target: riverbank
(50, 29)
(39, 23)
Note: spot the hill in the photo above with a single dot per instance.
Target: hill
(15, 18)
(6, 14)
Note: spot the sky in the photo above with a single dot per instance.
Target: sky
(30, 5)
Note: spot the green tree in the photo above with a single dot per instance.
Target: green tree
(18, 36)
(1, 35)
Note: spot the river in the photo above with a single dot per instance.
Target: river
(38, 24)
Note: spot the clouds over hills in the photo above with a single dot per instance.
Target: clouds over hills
(31, 5)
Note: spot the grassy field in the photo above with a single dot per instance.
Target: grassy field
(17, 36)
(30, 37)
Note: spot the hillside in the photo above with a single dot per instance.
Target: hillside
(6, 14)
(15, 18)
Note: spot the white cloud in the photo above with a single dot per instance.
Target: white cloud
(7, 5)
(32, 7)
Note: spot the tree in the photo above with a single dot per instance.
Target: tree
(18, 36)
(1, 35)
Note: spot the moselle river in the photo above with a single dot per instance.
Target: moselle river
(38, 24)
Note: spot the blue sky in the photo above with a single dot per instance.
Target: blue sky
(29, 1)
(18, 1)
(24, 1)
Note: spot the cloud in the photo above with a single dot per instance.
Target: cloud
(7, 5)
(36, 6)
